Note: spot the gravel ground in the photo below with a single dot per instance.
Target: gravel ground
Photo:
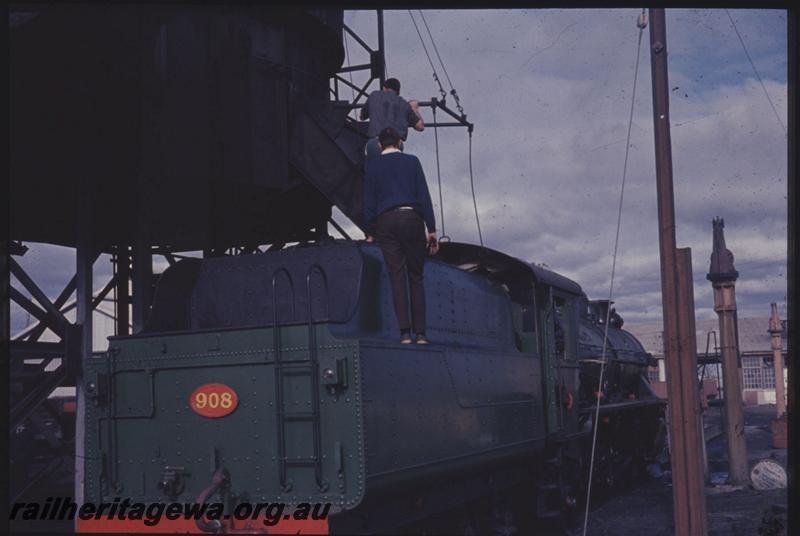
(647, 508)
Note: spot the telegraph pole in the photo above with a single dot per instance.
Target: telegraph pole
(723, 277)
(688, 490)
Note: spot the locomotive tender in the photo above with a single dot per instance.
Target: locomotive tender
(328, 407)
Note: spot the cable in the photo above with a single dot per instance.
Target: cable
(753, 65)
(444, 69)
(430, 61)
(453, 91)
(435, 130)
(438, 173)
(472, 185)
(436, 50)
(641, 23)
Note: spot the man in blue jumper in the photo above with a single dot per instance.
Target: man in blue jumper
(397, 208)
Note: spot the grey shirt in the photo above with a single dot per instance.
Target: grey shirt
(388, 109)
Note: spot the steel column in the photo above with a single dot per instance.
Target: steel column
(150, 169)
(381, 48)
(142, 283)
(5, 327)
(689, 516)
(84, 260)
(122, 291)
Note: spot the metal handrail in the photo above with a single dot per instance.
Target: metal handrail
(322, 485)
(286, 485)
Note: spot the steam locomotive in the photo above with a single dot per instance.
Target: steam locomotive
(276, 377)
(326, 406)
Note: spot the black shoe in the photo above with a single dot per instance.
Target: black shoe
(422, 339)
(405, 338)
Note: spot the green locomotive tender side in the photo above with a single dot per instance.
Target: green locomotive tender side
(283, 371)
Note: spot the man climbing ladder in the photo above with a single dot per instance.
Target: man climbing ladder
(386, 108)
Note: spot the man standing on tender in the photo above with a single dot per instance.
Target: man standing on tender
(397, 208)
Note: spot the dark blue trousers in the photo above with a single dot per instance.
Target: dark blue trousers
(400, 233)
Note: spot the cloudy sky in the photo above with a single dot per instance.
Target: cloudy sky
(549, 92)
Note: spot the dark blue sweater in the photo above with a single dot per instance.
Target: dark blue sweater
(396, 180)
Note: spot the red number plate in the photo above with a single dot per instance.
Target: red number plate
(213, 400)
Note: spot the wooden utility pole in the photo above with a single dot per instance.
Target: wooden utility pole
(688, 490)
(723, 277)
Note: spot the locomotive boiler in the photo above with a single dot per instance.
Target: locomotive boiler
(331, 408)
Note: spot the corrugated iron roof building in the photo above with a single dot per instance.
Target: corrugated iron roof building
(758, 376)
